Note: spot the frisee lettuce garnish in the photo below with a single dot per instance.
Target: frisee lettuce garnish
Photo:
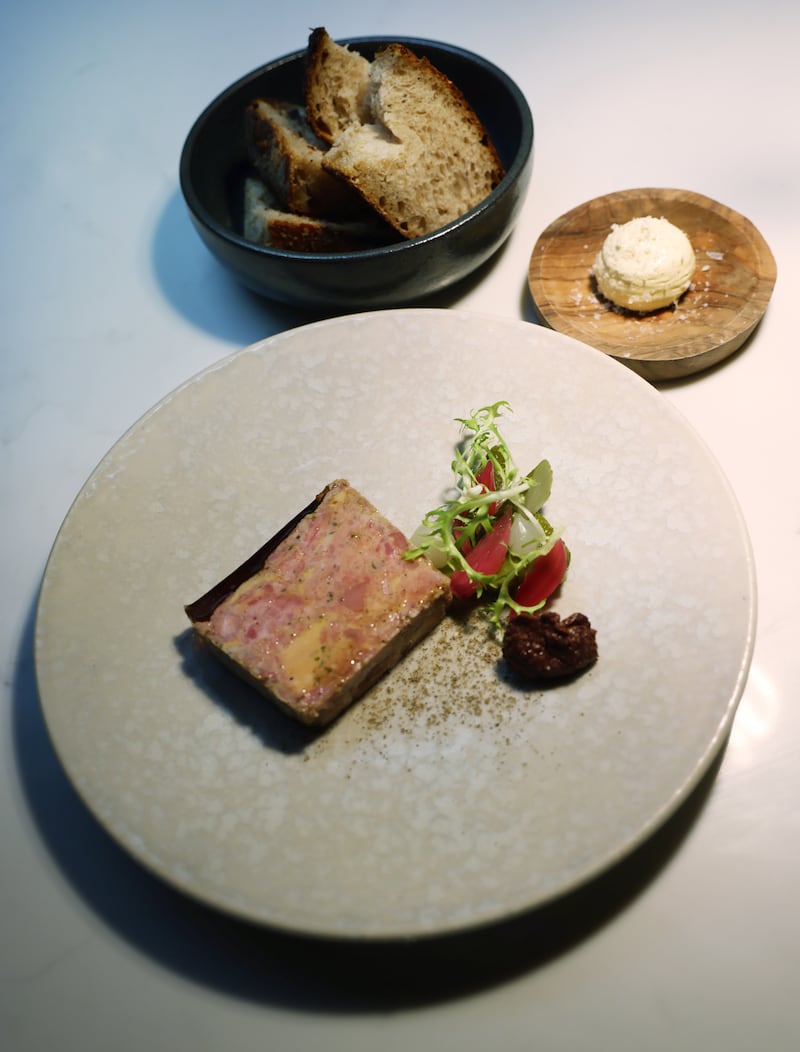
(490, 530)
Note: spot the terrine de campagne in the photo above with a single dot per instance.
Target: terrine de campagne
(323, 609)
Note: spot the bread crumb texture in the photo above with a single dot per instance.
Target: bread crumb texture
(425, 159)
(392, 143)
(337, 82)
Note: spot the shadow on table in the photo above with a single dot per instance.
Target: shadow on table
(529, 313)
(204, 293)
(279, 969)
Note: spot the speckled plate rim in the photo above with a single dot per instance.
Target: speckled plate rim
(565, 298)
(449, 797)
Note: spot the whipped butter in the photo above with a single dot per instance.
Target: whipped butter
(644, 264)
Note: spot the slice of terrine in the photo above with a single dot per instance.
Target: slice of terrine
(324, 609)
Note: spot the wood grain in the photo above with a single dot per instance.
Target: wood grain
(731, 288)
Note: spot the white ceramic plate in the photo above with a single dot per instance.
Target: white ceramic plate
(447, 797)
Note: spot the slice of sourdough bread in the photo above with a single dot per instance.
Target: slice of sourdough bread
(424, 158)
(265, 223)
(336, 84)
(288, 157)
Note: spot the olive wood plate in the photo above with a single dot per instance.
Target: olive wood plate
(729, 293)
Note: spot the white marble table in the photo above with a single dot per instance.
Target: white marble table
(108, 301)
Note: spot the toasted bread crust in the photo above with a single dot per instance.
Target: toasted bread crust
(267, 224)
(288, 157)
(336, 85)
(392, 141)
(425, 159)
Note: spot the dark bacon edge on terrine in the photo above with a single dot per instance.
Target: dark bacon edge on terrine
(324, 609)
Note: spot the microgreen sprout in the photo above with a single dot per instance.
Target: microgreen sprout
(490, 529)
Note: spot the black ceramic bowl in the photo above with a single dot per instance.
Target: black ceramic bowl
(214, 165)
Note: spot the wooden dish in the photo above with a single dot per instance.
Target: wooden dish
(730, 291)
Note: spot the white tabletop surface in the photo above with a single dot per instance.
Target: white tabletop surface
(108, 300)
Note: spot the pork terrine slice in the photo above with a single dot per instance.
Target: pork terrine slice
(323, 609)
